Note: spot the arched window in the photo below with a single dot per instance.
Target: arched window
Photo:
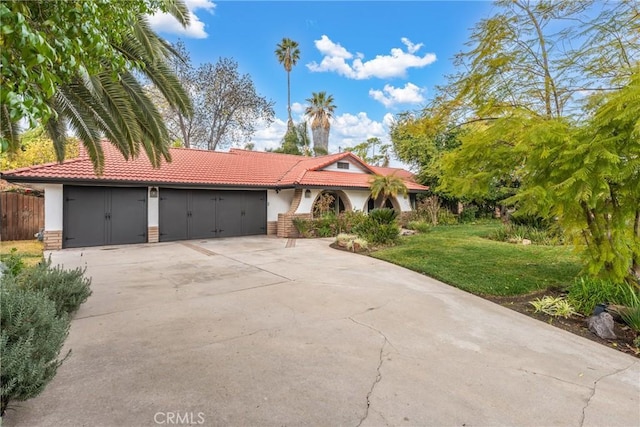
(330, 202)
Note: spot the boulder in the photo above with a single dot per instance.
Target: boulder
(602, 326)
(526, 241)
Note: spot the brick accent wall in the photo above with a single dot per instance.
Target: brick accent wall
(285, 224)
(153, 235)
(297, 197)
(272, 228)
(53, 240)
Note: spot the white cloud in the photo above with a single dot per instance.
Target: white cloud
(165, 23)
(390, 95)
(411, 48)
(329, 48)
(388, 120)
(351, 129)
(268, 136)
(297, 108)
(338, 59)
(346, 130)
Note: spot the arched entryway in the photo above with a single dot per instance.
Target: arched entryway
(335, 201)
(391, 203)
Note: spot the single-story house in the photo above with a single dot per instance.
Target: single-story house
(199, 194)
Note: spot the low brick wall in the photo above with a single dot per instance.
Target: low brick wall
(53, 240)
(153, 235)
(272, 228)
(285, 224)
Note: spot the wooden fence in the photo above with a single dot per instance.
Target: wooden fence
(22, 216)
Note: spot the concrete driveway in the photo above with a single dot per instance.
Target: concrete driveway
(261, 331)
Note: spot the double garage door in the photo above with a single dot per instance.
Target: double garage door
(203, 214)
(96, 216)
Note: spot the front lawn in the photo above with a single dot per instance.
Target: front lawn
(30, 250)
(460, 256)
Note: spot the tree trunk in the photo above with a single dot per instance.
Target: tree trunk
(635, 256)
(290, 121)
(320, 140)
(549, 84)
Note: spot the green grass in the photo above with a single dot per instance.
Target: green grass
(460, 256)
(31, 250)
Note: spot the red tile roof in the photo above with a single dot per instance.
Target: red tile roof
(211, 168)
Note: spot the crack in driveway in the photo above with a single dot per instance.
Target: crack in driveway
(378, 377)
(552, 377)
(595, 386)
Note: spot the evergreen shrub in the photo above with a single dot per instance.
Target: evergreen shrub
(31, 337)
(68, 289)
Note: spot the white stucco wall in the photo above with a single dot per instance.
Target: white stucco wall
(405, 202)
(353, 167)
(358, 199)
(307, 202)
(53, 205)
(278, 203)
(153, 209)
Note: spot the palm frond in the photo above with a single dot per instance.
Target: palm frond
(158, 71)
(155, 137)
(117, 101)
(9, 130)
(56, 129)
(179, 10)
(169, 85)
(71, 105)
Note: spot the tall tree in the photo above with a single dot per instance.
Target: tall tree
(320, 111)
(88, 82)
(529, 100)
(184, 129)
(288, 55)
(296, 141)
(384, 187)
(226, 106)
(36, 148)
(588, 177)
(367, 151)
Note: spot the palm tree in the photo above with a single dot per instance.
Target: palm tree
(115, 106)
(288, 54)
(320, 110)
(385, 186)
(99, 105)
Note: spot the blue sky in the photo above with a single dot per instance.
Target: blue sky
(377, 58)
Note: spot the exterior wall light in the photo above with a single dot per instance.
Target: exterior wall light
(153, 193)
(307, 194)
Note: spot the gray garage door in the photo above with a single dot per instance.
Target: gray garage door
(201, 214)
(95, 216)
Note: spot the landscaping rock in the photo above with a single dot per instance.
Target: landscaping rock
(406, 232)
(526, 241)
(602, 326)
